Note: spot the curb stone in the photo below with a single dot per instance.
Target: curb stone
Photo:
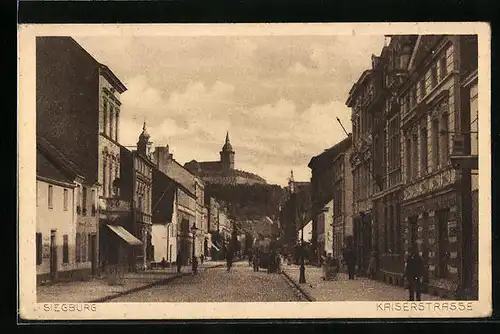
(301, 293)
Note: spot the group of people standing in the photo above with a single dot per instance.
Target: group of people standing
(413, 272)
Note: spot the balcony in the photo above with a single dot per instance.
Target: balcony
(113, 208)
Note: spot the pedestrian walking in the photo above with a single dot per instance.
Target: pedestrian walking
(414, 272)
(255, 262)
(195, 265)
(229, 260)
(202, 258)
(350, 259)
(178, 261)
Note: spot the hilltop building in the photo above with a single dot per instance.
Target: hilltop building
(223, 171)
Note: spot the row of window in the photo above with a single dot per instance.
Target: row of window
(426, 84)
(417, 148)
(81, 200)
(110, 172)
(110, 119)
(83, 248)
(362, 182)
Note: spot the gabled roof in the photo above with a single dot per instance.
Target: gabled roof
(46, 168)
(112, 78)
(50, 154)
(182, 176)
(331, 153)
(353, 91)
(163, 193)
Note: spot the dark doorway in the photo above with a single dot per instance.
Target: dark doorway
(53, 255)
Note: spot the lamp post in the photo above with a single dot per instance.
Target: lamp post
(302, 277)
(193, 262)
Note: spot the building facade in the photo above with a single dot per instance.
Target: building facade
(360, 100)
(78, 110)
(66, 238)
(185, 205)
(436, 206)
(202, 227)
(136, 188)
(327, 183)
(420, 102)
(342, 209)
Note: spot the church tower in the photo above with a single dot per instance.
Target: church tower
(144, 145)
(227, 155)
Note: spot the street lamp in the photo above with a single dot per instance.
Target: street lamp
(302, 277)
(193, 262)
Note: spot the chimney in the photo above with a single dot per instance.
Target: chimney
(162, 156)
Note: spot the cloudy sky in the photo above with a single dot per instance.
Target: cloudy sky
(278, 96)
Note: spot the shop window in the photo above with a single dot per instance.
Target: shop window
(65, 249)
(39, 248)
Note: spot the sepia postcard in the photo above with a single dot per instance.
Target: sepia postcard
(254, 171)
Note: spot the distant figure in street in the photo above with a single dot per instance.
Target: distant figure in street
(195, 265)
(255, 261)
(178, 261)
(229, 260)
(414, 271)
(202, 257)
(350, 259)
(163, 263)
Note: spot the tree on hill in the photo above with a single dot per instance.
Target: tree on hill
(248, 202)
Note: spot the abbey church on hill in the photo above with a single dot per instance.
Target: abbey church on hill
(223, 172)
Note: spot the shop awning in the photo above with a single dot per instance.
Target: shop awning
(125, 235)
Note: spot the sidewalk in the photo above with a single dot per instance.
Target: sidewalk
(98, 289)
(343, 289)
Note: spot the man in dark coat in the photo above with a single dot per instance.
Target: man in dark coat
(178, 261)
(350, 259)
(414, 272)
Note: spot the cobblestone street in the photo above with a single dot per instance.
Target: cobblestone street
(217, 285)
